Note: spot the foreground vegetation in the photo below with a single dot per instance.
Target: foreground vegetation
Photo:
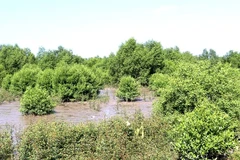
(118, 138)
(127, 138)
(196, 113)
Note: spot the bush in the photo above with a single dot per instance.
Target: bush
(36, 101)
(128, 89)
(158, 81)
(44, 80)
(182, 96)
(24, 78)
(113, 139)
(3, 73)
(193, 83)
(6, 82)
(57, 141)
(207, 132)
(6, 144)
(75, 82)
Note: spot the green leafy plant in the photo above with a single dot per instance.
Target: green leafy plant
(128, 89)
(193, 83)
(75, 82)
(117, 138)
(24, 78)
(36, 101)
(6, 144)
(6, 82)
(44, 80)
(159, 81)
(205, 133)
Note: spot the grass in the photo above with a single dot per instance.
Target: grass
(6, 96)
(6, 143)
(96, 103)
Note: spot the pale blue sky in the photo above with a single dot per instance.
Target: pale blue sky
(98, 27)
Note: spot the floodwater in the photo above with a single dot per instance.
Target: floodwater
(77, 112)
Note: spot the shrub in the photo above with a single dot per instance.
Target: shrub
(36, 101)
(128, 89)
(182, 96)
(103, 76)
(113, 139)
(3, 73)
(207, 132)
(193, 83)
(158, 81)
(24, 78)
(75, 82)
(6, 82)
(44, 80)
(6, 144)
(57, 141)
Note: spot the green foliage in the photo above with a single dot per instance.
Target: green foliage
(182, 96)
(6, 144)
(3, 73)
(6, 82)
(193, 83)
(128, 89)
(6, 96)
(136, 60)
(159, 81)
(233, 58)
(36, 101)
(103, 76)
(236, 154)
(57, 141)
(24, 78)
(205, 133)
(13, 58)
(117, 138)
(44, 80)
(75, 82)
(209, 55)
(50, 59)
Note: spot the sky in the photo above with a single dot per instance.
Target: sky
(98, 27)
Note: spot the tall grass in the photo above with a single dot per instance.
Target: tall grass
(6, 96)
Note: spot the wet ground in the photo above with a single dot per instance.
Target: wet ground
(75, 112)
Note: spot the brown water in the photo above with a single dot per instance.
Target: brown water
(76, 112)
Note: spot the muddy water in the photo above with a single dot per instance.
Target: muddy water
(76, 112)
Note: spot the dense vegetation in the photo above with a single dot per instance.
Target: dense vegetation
(36, 101)
(128, 89)
(196, 111)
(113, 139)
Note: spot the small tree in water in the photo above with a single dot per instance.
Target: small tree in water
(128, 89)
(36, 101)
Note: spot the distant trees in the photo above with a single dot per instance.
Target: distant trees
(210, 55)
(233, 58)
(137, 60)
(50, 59)
(13, 58)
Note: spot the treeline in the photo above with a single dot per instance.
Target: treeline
(133, 59)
